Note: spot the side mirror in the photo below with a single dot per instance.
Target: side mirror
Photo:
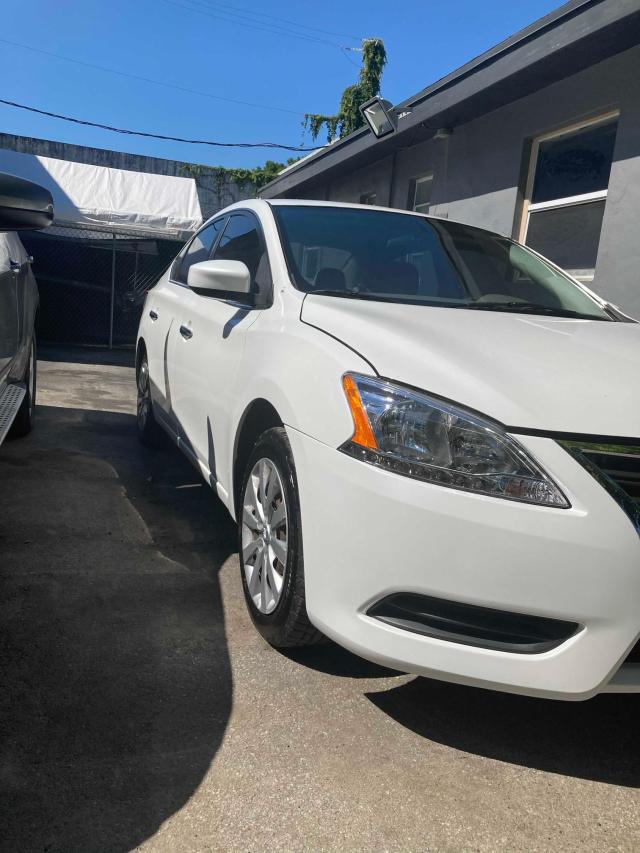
(231, 277)
(23, 204)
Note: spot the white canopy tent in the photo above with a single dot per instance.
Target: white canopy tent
(103, 196)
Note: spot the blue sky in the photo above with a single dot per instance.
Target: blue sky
(199, 44)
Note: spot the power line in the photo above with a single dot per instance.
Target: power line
(240, 9)
(262, 26)
(147, 135)
(147, 79)
(347, 57)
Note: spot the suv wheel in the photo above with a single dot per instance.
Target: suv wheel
(270, 544)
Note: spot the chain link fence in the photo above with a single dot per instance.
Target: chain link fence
(93, 281)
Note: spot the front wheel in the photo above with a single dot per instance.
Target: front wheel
(270, 545)
(23, 422)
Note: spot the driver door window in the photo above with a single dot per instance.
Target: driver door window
(242, 241)
(198, 250)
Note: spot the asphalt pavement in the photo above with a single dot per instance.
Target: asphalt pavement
(140, 709)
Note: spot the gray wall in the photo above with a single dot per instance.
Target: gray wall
(479, 169)
(215, 190)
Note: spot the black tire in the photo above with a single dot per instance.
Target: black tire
(149, 433)
(23, 422)
(288, 624)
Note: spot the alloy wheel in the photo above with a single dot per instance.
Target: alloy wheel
(264, 535)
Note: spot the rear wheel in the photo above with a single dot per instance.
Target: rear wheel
(23, 422)
(270, 544)
(149, 432)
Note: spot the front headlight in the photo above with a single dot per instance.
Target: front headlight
(429, 439)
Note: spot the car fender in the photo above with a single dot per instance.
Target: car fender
(299, 372)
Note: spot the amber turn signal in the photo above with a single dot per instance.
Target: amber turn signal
(362, 433)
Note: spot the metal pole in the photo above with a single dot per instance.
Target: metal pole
(113, 288)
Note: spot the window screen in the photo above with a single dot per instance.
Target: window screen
(574, 165)
(568, 193)
(569, 236)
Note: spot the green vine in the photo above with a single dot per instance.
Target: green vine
(348, 117)
(256, 178)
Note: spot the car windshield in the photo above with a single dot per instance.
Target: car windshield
(395, 257)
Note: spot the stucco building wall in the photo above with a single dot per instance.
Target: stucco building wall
(480, 170)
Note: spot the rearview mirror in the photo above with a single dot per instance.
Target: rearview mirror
(23, 204)
(220, 276)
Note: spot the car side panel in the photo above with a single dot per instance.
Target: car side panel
(202, 372)
(162, 308)
(296, 368)
(27, 306)
(9, 321)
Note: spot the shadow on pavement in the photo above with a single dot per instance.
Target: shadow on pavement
(85, 355)
(116, 682)
(589, 740)
(334, 660)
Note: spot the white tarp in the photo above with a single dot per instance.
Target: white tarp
(105, 196)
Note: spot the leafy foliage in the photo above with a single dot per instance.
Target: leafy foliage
(256, 178)
(346, 120)
(348, 117)
(260, 176)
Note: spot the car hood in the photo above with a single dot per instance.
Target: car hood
(526, 371)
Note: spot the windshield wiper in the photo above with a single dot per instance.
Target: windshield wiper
(513, 307)
(354, 294)
(517, 307)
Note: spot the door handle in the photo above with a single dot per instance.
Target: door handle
(186, 332)
(14, 266)
(153, 314)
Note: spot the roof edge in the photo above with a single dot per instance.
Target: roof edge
(571, 9)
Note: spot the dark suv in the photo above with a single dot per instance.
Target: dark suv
(23, 205)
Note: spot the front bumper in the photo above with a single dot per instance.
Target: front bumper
(369, 533)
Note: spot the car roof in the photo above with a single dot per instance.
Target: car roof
(258, 204)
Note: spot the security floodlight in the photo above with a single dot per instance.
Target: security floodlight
(380, 116)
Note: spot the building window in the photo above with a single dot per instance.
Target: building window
(368, 198)
(310, 262)
(566, 194)
(420, 193)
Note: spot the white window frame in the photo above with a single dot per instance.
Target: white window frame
(529, 207)
(415, 182)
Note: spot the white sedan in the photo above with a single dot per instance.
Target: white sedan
(429, 437)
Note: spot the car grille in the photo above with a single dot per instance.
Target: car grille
(622, 468)
(617, 469)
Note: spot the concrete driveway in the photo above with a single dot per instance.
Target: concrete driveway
(141, 709)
